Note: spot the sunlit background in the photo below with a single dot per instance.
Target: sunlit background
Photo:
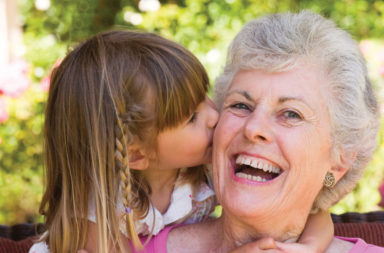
(36, 34)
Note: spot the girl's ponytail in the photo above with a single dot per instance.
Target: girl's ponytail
(122, 164)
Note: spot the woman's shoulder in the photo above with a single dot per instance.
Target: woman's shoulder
(352, 245)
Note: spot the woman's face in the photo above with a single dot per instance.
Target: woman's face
(272, 143)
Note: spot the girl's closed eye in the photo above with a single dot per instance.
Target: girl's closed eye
(192, 118)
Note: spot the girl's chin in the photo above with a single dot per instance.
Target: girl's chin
(208, 158)
(208, 161)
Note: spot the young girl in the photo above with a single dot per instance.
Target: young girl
(128, 125)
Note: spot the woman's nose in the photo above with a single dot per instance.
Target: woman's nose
(257, 128)
(213, 116)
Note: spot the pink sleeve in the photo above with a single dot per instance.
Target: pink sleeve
(158, 243)
(361, 246)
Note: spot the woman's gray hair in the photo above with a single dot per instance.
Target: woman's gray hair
(277, 43)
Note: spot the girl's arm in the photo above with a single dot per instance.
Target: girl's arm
(318, 232)
(91, 244)
(316, 238)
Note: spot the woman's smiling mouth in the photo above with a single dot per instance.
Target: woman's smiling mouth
(254, 169)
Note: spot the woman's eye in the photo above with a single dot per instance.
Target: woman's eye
(240, 106)
(292, 115)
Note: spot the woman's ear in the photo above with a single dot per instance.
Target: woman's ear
(343, 163)
(138, 158)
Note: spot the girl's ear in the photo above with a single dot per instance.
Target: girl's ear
(344, 162)
(138, 158)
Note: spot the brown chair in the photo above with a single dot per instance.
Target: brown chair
(368, 226)
(10, 246)
(18, 238)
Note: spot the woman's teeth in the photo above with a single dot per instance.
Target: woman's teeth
(255, 169)
(250, 177)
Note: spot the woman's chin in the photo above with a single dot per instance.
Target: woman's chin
(253, 197)
(243, 204)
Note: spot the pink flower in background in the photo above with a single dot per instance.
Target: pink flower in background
(14, 82)
(4, 115)
(381, 190)
(14, 79)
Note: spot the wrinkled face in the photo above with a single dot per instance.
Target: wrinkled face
(272, 144)
(189, 144)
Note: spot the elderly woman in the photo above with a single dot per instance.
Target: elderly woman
(298, 125)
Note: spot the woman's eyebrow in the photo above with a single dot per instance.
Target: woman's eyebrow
(287, 99)
(242, 93)
(281, 100)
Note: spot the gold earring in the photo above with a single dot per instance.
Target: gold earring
(329, 180)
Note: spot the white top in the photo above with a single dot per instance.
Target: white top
(40, 247)
(184, 208)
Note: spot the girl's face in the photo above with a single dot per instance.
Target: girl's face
(189, 144)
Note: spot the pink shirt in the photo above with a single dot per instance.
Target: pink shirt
(361, 246)
(158, 243)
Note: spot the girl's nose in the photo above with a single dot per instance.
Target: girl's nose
(257, 128)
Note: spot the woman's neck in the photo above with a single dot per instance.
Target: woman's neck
(162, 183)
(218, 235)
(236, 233)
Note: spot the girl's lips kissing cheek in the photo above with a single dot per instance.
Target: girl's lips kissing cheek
(253, 170)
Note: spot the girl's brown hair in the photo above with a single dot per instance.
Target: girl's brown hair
(114, 88)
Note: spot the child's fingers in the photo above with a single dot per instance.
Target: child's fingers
(265, 245)
(82, 251)
(293, 247)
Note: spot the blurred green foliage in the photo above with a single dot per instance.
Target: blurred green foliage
(203, 26)
(20, 158)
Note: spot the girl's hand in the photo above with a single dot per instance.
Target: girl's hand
(295, 248)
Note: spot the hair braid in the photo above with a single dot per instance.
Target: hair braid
(122, 164)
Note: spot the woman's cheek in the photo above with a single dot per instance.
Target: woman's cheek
(224, 137)
(227, 126)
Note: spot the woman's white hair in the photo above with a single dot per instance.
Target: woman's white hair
(277, 43)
